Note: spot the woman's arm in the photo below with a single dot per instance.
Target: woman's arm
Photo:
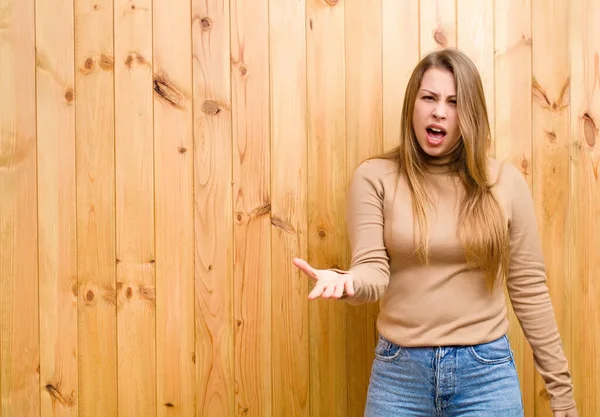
(530, 298)
(365, 221)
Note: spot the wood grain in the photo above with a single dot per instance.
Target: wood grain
(213, 208)
(19, 308)
(513, 139)
(398, 27)
(584, 202)
(364, 138)
(252, 206)
(94, 84)
(475, 37)
(174, 210)
(437, 25)
(161, 163)
(550, 120)
(57, 209)
(290, 331)
(327, 181)
(134, 157)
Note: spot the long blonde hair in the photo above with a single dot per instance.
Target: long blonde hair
(482, 227)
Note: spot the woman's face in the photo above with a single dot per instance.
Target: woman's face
(435, 119)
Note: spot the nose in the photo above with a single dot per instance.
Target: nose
(439, 111)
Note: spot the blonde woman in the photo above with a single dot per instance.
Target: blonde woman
(436, 229)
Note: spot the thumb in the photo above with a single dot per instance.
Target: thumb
(305, 267)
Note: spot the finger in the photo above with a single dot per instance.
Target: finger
(349, 287)
(305, 267)
(329, 290)
(316, 292)
(339, 290)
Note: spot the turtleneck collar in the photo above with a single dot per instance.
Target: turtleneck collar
(444, 164)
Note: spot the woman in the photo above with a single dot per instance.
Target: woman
(436, 227)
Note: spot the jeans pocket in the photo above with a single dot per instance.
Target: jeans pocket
(492, 353)
(387, 351)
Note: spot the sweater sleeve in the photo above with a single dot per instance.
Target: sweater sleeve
(530, 298)
(365, 224)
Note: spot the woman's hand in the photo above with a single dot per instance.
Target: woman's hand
(567, 413)
(329, 284)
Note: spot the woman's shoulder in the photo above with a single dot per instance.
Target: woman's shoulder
(374, 176)
(503, 171)
(377, 168)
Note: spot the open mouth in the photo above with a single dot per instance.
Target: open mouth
(435, 134)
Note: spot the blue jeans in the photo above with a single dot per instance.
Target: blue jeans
(473, 381)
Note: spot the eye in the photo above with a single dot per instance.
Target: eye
(427, 98)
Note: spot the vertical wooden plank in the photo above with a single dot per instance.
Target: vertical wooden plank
(438, 25)
(475, 37)
(551, 99)
(399, 27)
(174, 212)
(287, 22)
(95, 167)
(134, 157)
(584, 213)
(363, 55)
(19, 326)
(513, 137)
(252, 206)
(213, 208)
(57, 213)
(327, 180)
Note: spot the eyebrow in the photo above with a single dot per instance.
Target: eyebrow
(435, 94)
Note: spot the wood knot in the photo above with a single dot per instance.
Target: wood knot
(205, 23)
(322, 234)
(211, 107)
(137, 57)
(168, 93)
(545, 395)
(440, 38)
(589, 130)
(238, 322)
(69, 95)
(89, 296)
(210, 267)
(243, 70)
(239, 217)
(128, 292)
(106, 62)
(551, 135)
(182, 149)
(169, 405)
(133, 7)
(88, 64)
(95, 7)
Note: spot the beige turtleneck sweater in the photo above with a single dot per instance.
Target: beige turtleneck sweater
(446, 303)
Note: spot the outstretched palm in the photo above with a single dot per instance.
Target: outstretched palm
(329, 284)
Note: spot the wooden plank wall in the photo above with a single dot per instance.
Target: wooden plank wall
(161, 162)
